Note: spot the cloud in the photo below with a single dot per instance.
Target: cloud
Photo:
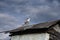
(7, 21)
(16, 11)
(41, 13)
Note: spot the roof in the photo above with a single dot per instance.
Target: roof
(39, 25)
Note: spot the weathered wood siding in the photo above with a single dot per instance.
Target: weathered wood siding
(42, 36)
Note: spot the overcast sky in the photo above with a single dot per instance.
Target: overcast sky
(14, 12)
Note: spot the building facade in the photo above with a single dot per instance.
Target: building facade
(40, 31)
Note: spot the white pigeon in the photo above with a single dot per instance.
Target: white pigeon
(27, 21)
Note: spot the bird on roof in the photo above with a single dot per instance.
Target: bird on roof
(27, 21)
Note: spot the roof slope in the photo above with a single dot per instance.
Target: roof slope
(39, 25)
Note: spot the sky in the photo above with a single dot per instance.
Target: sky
(14, 12)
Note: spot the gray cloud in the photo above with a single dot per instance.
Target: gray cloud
(17, 10)
(38, 10)
(7, 21)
